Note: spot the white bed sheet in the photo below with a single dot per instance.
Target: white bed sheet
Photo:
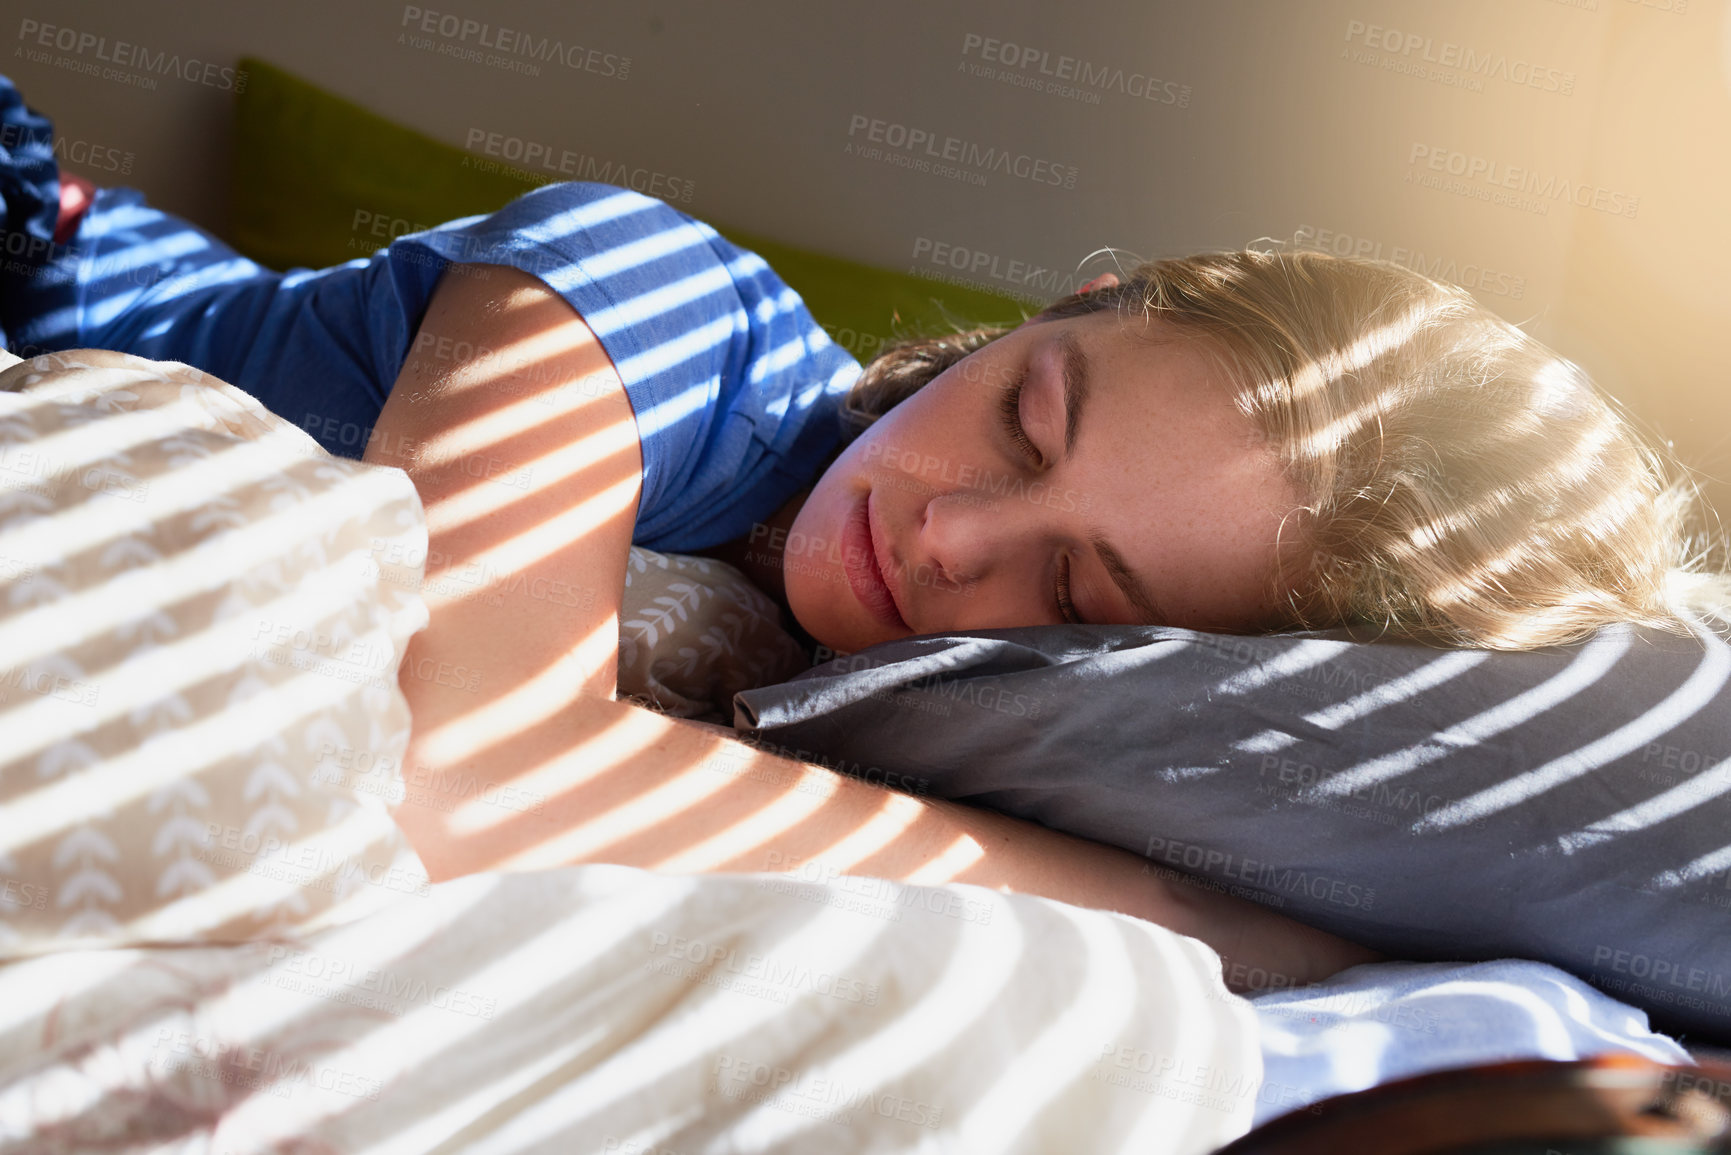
(603, 1008)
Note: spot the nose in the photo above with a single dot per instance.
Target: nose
(969, 537)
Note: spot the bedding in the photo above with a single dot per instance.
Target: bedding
(1374, 1024)
(1568, 805)
(603, 1008)
(588, 1008)
(198, 663)
(351, 1018)
(693, 632)
(216, 938)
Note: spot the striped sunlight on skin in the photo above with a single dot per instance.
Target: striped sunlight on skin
(617, 780)
(457, 504)
(757, 829)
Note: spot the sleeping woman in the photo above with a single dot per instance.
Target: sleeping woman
(1235, 442)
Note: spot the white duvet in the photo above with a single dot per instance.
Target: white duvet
(609, 1009)
(585, 1009)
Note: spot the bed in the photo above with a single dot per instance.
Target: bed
(212, 936)
(217, 940)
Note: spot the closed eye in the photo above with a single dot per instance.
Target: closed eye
(1010, 414)
(1066, 607)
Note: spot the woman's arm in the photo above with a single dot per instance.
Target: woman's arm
(527, 460)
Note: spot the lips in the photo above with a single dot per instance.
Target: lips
(863, 561)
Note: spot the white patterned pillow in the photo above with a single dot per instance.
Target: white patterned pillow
(198, 651)
(693, 632)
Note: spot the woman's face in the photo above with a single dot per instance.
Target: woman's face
(1141, 495)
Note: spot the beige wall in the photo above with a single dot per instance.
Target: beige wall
(1269, 118)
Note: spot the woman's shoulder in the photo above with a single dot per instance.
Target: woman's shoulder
(630, 246)
(735, 385)
(570, 221)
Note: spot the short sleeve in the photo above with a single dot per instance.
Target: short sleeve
(29, 205)
(735, 387)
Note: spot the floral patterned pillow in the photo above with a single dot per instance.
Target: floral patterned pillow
(694, 631)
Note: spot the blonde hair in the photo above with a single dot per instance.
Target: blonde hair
(1463, 485)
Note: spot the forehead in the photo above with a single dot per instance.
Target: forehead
(1182, 480)
(1151, 354)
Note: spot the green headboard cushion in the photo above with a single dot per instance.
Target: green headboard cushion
(319, 180)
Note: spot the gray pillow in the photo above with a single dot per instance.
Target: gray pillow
(1571, 805)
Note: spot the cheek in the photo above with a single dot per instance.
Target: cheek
(930, 434)
(815, 520)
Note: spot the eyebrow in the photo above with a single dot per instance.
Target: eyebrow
(1076, 392)
(1075, 387)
